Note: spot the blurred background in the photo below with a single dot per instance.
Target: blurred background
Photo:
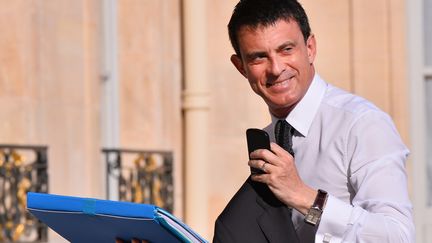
(137, 100)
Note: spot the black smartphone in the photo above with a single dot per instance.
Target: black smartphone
(257, 139)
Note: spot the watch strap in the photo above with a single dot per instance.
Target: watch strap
(320, 199)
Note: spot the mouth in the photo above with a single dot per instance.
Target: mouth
(279, 83)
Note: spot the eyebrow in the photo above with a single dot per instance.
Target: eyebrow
(253, 55)
(286, 44)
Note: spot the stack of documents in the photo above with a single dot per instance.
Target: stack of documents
(92, 220)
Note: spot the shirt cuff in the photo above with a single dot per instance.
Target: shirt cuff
(334, 221)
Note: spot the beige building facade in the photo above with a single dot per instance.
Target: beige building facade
(79, 76)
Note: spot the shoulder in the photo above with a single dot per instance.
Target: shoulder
(351, 109)
(355, 116)
(336, 98)
(237, 205)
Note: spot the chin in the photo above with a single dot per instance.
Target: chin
(282, 103)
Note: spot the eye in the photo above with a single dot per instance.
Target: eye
(261, 56)
(258, 58)
(287, 49)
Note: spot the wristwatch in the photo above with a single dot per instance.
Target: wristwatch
(314, 214)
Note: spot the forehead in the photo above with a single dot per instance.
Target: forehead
(280, 31)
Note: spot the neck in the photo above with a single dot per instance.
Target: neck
(282, 113)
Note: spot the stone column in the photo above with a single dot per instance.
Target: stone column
(196, 111)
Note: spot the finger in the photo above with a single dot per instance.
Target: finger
(271, 157)
(261, 165)
(275, 148)
(263, 178)
(279, 151)
(262, 154)
(256, 163)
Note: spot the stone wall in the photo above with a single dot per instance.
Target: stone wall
(51, 79)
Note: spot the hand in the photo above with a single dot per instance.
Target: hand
(133, 241)
(282, 178)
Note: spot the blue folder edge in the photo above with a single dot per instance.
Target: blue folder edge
(165, 218)
(91, 206)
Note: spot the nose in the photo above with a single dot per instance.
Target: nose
(276, 66)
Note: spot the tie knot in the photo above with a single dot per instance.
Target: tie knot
(283, 134)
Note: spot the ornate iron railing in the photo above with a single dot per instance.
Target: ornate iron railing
(140, 176)
(22, 169)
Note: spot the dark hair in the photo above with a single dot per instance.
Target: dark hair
(253, 13)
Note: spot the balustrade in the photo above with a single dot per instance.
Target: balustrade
(22, 169)
(140, 176)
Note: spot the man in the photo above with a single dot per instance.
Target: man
(346, 179)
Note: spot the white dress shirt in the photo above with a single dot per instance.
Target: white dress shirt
(348, 147)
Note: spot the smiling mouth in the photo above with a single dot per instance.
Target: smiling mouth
(279, 83)
(275, 84)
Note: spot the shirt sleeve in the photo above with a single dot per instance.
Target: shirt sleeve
(379, 209)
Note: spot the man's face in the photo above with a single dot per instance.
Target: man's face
(277, 62)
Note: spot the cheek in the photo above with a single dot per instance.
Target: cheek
(253, 81)
(256, 73)
(254, 85)
(257, 88)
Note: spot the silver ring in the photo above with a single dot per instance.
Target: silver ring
(263, 166)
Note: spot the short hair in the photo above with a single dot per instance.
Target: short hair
(253, 13)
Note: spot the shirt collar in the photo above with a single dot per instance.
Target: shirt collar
(302, 115)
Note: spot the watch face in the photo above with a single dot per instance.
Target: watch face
(313, 216)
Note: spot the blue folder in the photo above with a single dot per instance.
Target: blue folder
(82, 220)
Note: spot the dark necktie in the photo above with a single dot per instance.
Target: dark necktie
(283, 134)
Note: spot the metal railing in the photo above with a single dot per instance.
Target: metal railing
(140, 176)
(22, 169)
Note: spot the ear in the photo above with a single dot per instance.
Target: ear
(311, 48)
(238, 63)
